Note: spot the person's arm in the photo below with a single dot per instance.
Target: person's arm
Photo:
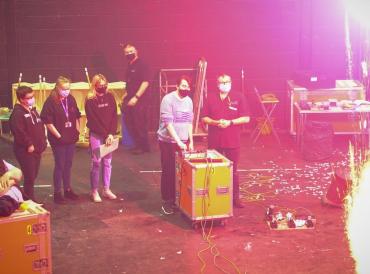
(54, 130)
(206, 116)
(47, 114)
(242, 119)
(10, 177)
(209, 121)
(143, 87)
(78, 118)
(18, 128)
(173, 134)
(191, 143)
(78, 124)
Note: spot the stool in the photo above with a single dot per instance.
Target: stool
(268, 104)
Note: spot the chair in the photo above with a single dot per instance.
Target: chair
(268, 104)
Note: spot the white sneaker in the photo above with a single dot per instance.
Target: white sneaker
(107, 193)
(95, 196)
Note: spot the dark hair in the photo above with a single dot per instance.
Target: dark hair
(22, 91)
(183, 77)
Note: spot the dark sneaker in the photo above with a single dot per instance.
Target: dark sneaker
(238, 203)
(167, 209)
(175, 208)
(69, 194)
(58, 198)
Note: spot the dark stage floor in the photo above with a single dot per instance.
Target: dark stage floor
(132, 236)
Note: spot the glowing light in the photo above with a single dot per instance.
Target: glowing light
(359, 10)
(357, 222)
(349, 59)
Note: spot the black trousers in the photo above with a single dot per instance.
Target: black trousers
(30, 164)
(168, 177)
(233, 154)
(136, 121)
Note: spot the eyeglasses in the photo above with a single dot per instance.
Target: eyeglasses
(223, 83)
(184, 87)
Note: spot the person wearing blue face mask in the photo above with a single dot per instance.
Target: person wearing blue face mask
(62, 118)
(224, 112)
(29, 137)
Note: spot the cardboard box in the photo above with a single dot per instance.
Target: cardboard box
(25, 244)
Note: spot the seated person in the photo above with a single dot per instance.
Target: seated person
(9, 178)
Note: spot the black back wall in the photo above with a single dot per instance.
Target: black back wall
(270, 39)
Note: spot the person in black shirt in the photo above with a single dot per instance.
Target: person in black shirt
(101, 114)
(135, 103)
(62, 118)
(224, 112)
(29, 137)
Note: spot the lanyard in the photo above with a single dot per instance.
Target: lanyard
(31, 112)
(65, 108)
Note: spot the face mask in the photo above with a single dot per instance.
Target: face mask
(30, 102)
(225, 87)
(64, 92)
(130, 57)
(184, 92)
(101, 90)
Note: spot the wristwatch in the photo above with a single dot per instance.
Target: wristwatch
(231, 122)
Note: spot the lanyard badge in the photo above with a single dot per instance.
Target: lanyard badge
(67, 124)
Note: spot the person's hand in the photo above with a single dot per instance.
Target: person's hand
(224, 123)
(132, 102)
(109, 140)
(182, 145)
(191, 146)
(30, 149)
(5, 181)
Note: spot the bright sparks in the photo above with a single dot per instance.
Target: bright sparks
(357, 218)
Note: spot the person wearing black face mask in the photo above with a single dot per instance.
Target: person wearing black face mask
(175, 133)
(135, 104)
(101, 114)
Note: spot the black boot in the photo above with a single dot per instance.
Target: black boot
(69, 194)
(58, 198)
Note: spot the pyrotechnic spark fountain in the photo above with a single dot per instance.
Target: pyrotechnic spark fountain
(357, 207)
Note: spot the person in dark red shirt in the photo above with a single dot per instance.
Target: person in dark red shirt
(224, 112)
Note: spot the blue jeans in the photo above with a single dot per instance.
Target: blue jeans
(63, 156)
(96, 162)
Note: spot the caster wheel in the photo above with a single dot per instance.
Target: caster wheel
(223, 222)
(195, 225)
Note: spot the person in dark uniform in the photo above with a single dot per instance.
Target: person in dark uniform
(224, 112)
(62, 118)
(29, 137)
(135, 104)
(101, 115)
